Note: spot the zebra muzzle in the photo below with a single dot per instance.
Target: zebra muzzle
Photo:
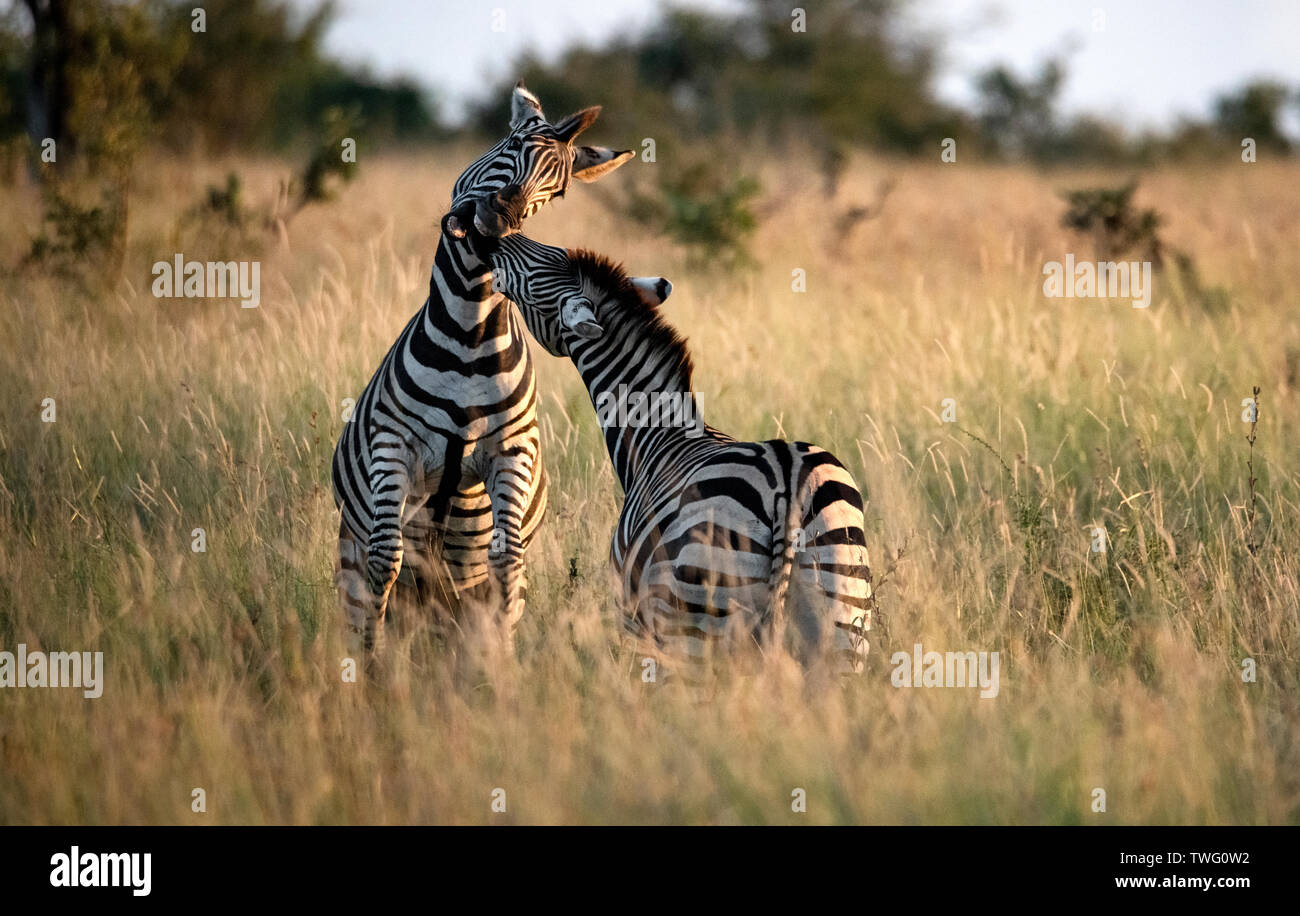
(500, 214)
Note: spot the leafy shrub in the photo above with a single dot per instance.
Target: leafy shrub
(708, 214)
(326, 160)
(227, 203)
(1117, 228)
(76, 236)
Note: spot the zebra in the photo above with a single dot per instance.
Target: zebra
(719, 542)
(438, 468)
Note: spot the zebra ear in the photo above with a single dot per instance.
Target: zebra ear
(592, 162)
(524, 106)
(578, 316)
(653, 290)
(569, 128)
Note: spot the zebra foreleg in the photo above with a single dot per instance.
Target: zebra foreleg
(389, 485)
(510, 487)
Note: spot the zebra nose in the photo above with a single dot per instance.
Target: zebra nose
(509, 198)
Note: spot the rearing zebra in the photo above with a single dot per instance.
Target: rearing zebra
(718, 541)
(439, 467)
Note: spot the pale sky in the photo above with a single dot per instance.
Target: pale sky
(1151, 61)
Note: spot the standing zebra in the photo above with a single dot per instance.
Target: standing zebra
(719, 542)
(438, 467)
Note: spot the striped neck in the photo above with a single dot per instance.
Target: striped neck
(638, 374)
(460, 288)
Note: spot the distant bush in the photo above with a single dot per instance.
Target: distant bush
(226, 203)
(1116, 226)
(326, 161)
(1119, 229)
(75, 237)
(707, 212)
(225, 219)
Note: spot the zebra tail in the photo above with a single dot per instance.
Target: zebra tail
(788, 512)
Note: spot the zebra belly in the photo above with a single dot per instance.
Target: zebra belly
(449, 535)
(703, 581)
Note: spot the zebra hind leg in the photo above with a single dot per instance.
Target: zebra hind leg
(418, 599)
(829, 613)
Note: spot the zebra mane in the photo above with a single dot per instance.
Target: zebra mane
(636, 315)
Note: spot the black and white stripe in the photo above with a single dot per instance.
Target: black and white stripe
(439, 468)
(719, 542)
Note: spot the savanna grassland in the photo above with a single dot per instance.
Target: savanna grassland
(1119, 670)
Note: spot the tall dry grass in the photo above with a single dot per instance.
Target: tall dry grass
(1119, 671)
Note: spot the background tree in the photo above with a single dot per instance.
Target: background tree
(1254, 111)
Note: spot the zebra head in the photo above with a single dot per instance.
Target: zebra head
(578, 312)
(561, 292)
(531, 165)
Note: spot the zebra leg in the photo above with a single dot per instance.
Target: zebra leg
(411, 591)
(354, 593)
(389, 486)
(511, 486)
(829, 605)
